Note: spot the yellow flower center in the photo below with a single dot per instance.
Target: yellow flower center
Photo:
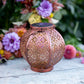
(1, 52)
(51, 15)
(77, 54)
(20, 33)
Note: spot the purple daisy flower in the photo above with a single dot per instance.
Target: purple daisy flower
(45, 8)
(11, 42)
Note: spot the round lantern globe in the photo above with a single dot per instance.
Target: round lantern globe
(42, 46)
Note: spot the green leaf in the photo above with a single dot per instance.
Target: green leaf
(57, 15)
(36, 4)
(79, 49)
(63, 12)
(76, 27)
(45, 20)
(72, 8)
(62, 27)
(70, 30)
(25, 17)
(12, 57)
(79, 34)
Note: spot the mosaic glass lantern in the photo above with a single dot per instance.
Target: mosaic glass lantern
(42, 46)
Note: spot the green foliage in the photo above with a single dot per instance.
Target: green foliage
(74, 42)
(57, 15)
(44, 20)
(72, 21)
(71, 24)
(25, 17)
(9, 13)
(36, 4)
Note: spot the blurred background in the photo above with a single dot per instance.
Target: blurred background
(71, 24)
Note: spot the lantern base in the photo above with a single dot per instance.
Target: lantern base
(41, 70)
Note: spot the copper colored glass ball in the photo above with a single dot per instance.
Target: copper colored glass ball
(42, 46)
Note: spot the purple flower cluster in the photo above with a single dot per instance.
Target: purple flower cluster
(45, 8)
(11, 42)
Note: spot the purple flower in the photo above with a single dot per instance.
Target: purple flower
(11, 42)
(0, 56)
(45, 8)
(19, 0)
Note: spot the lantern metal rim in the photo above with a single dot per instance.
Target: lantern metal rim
(42, 26)
(41, 70)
